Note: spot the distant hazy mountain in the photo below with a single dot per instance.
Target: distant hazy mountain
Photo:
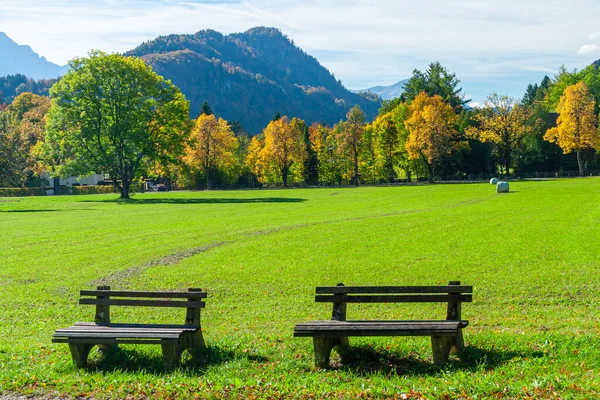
(386, 92)
(250, 76)
(16, 59)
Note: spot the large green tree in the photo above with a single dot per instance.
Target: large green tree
(114, 114)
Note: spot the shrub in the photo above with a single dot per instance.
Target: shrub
(21, 192)
(98, 189)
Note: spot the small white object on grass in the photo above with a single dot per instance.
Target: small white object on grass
(493, 181)
(502, 187)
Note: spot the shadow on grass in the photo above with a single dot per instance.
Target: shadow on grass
(201, 201)
(130, 360)
(366, 360)
(28, 211)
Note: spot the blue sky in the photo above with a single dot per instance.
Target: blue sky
(493, 46)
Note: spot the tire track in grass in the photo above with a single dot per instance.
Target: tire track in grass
(125, 276)
(350, 219)
(168, 260)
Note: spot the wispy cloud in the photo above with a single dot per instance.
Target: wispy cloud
(364, 42)
(589, 49)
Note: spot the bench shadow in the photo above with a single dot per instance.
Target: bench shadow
(219, 200)
(132, 360)
(366, 360)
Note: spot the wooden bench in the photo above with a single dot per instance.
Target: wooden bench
(445, 334)
(174, 339)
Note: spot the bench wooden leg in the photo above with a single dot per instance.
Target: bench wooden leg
(441, 349)
(171, 354)
(458, 342)
(323, 347)
(196, 341)
(80, 352)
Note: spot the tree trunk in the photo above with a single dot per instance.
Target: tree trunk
(284, 176)
(355, 169)
(580, 163)
(208, 179)
(125, 189)
(507, 160)
(56, 184)
(125, 184)
(431, 168)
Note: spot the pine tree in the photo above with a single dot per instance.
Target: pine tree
(205, 109)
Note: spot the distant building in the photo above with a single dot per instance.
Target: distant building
(95, 179)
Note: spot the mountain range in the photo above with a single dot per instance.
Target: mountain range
(386, 92)
(17, 59)
(251, 76)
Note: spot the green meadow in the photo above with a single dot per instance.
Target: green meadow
(532, 256)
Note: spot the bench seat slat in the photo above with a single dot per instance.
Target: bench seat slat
(92, 335)
(394, 289)
(378, 328)
(157, 295)
(385, 321)
(120, 334)
(142, 303)
(91, 332)
(112, 341)
(72, 331)
(416, 298)
(123, 325)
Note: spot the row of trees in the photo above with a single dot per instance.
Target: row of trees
(22, 128)
(114, 114)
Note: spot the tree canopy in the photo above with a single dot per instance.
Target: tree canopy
(504, 122)
(432, 134)
(577, 122)
(114, 114)
(212, 146)
(436, 80)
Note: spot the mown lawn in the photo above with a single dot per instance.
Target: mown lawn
(531, 255)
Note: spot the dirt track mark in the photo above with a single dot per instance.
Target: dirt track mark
(135, 271)
(261, 232)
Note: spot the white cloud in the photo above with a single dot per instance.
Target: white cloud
(364, 42)
(589, 49)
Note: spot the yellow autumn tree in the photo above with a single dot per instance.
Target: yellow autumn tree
(431, 130)
(212, 147)
(576, 123)
(504, 122)
(29, 112)
(254, 160)
(284, 147)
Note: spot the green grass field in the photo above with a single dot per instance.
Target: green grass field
(532, 256)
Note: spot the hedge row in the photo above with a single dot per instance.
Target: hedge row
(22, 192)
(100, 189)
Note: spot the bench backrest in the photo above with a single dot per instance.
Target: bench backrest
(454, 294)
(103, 298)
